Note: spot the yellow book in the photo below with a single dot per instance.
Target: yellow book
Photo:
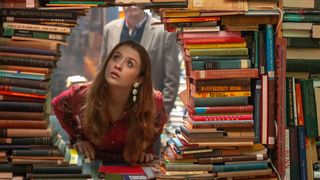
(218, 45)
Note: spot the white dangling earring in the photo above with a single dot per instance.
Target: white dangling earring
(135, 91)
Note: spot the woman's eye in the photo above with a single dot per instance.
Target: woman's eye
(130, 64)
(115, 57)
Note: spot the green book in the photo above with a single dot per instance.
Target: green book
(309, 108)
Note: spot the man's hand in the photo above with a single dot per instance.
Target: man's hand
(85, 148)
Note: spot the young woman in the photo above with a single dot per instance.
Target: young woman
(118, 116)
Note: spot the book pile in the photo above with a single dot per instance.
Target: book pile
(30, 38)
(301, 28)
(228, 50)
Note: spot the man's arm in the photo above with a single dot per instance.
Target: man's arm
(172, 71)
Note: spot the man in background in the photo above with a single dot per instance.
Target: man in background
(161, 46)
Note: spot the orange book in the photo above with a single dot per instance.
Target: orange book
(213, 40)
(22, 94)
(27, 124)
(26, 69)
(186, 35)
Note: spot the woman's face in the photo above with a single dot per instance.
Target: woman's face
(123, 68)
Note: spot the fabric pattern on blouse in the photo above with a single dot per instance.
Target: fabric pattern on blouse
(67, 107)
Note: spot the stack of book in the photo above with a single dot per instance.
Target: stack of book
(228, 50)
(302, 30)
(29, 51)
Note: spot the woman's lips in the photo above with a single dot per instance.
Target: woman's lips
(113, 73)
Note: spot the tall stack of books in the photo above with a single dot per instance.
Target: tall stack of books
(302, 30)
(228, 49)
(29, 51)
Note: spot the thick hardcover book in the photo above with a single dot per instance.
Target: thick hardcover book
(27, 141)
(23, 115)
(30, 44)
(309, 107)
(20, 98)
(189, 19)
(218, 64)
(37, 152)
(213, 40)
(225, 73)
(240, 166)
(27, 61)
(22, 169)
(27, 50)
(35, 27)
(280, 74)
(221, 82)
(218, 5)
(245, 19)
(30, 56)
(257, 111)
(303, 65)
(220, 109)
(303, 42)
(223, 159)
(26, 69)
(219, 101)
(23, 75)
(28, 83)
(24, 124)
(38, 13)
(24, 133)
(36, 20)
(217, 52)
(18, 89)
(206, 35)
(289, 102)
(21, 106)
(34, 34)
(302, 153)
(109, 169)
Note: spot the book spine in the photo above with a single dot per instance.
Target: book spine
(270, 51)
(224, 101)
(37, 13)
(22, 115)
(309, 108)
(303, 42)
(301, 18)
(224, 73)
(28, 83)
(302, 153)
(220, 94)
(33, 34)
(26, 69)
(27, 124)
(289, 102)
(20, 99)
(256, 111)
(240, 167)
(223, 109)
(223, 159)
(24, 133)
(23, 90)
(218, 88)
(27, 141)
(34, 27)
(229, 64)
(19, 61)
(37, 152)
(222, 118)
(299, 104)
(21, 106)
(219, 52)
(214, 40)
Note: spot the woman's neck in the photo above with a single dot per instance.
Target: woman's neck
(118, 99)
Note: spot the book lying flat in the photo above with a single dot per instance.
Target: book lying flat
(121, 169)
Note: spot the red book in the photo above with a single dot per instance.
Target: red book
(222, 117)
(121, 170)
(189, 19)
(213, 40)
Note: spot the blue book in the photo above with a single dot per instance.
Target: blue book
(240, 166)
(302, 153)
(270, 51)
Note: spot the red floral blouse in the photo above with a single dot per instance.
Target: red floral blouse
(68, 109)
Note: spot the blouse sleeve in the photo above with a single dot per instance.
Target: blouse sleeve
(67, 110)
(161, 118)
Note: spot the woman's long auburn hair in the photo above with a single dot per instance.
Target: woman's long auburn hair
(140, 114)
